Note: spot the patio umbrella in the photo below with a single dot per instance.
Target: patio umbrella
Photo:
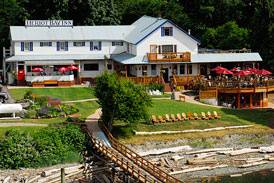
(72, 68)
(242, 73)
(37, 69)
(252, 70)
(235, 69)
(218, 68)
(264, 72)
(63, 69)
(224, 71)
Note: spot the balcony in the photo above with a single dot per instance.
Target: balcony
(169, 57)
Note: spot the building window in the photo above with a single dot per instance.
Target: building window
(182, 69)
(189, 69)
(91, 67)
(95, 45)
(167, 31)
(117, 43)
(62, 46)
(45, 44)
(144, 70)
(167, 48)
(109, 66)
(79, 43)
(153, 69)
(26, 46)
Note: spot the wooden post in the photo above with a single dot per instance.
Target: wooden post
(261, 100)
(251, 101)
(62, 175)
(238, 101)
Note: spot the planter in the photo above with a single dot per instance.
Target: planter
(37, 84)
(64, 83)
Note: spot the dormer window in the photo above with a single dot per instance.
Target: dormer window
(167, 31)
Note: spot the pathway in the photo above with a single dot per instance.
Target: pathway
(10, 100)
(83, 100)
(22, 124)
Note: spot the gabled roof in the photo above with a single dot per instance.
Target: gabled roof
(133, 33)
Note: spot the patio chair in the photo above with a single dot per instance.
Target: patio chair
(190, 116)
(167, 118)
(209, 115)
(179, 117)
(184, 116)
(216, 115)
(204, 117)
(161, 119)
(195, 116)
(154, 119)
(173, 118)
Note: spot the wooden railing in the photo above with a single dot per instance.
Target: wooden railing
(159, 174)
(184, 80)
(145, 79)
(238, 84)
(169, 57)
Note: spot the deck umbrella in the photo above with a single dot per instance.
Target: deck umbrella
(235, 69)
(37, 69)
(72, 68)
(252, 70)
(224, 71)
(63, 69)
(264, 72)
(218, 68)
(242, 73)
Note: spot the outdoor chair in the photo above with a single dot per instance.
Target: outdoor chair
(204, 117)
(161, 119)
(173, 118)
(184, 116)
(167, 118)
(216, 115)
(190, 116)
(196, 117)
(209, 115)
(154, 119)
(179, 117)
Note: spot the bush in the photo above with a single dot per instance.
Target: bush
(45, 147)
(28, 95)
(156, 86)
(69, 109)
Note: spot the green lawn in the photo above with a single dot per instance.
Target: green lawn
(65, 94)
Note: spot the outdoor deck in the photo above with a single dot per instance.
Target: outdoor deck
(169, 57)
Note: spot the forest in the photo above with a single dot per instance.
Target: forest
(222, 24)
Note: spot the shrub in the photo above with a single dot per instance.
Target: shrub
(28, 95)
(69, 109)
(156, 86)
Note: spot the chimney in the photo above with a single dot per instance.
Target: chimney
(189, 31)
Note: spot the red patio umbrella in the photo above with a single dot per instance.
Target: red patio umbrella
(235, 69)
(37, 69)
(224, 71)
(253, 70)
(72, 68)
(218, 68)
(242, 73)
(63, 69)
(264, 72)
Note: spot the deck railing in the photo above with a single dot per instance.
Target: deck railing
(145, 79)
(169, 57)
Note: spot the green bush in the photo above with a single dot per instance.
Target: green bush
(41, 100)
(68, 109)
(31, 114)
(156, 86)
(45, 147)
(28, 95)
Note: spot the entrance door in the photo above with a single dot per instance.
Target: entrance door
(165, 74)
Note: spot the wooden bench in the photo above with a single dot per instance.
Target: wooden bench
(50, 82)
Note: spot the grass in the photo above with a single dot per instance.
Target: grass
(27, 129)
(65, 94)
(259, 118)
(85, 109)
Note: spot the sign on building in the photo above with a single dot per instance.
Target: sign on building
(48, 23)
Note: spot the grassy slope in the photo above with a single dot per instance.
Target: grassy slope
(65, 94)
(28, 129)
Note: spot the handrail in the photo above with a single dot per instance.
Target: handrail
(140, 161)
(169, 57)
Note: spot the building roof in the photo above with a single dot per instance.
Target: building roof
(133, 33)
(125, 58)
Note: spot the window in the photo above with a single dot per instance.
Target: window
(26, 46)
(45, 44)
(91, 67)
(167, 48)
(62, 46)
(144, 70)
(117, 43)
(95, 45)
(167, 31)
(182, 68)
(189, 69)
(153, 69)
(79, 43)
(109, 66)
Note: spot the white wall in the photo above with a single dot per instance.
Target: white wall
(91, 74)
(107, 48)
(179, 38)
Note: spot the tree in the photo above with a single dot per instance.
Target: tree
(121, 99)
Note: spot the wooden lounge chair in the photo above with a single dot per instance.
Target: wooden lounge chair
(190, 116)
(167, 118)
(173, 118)
(154, 119)
(209, 115)
(216, 115)
(195, 116)
(184, 116)
(204, 117)
(161, 119)
(179, 117)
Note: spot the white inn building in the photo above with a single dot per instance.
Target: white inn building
(149, 47)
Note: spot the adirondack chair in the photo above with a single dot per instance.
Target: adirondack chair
(154, 119)
(179, 117)
(190, 116)
(204, 117)
(167, 118)
(196, 117)
(184, 116)
(173, 118)
(209, 115)
(161, 119)
(216, 115)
